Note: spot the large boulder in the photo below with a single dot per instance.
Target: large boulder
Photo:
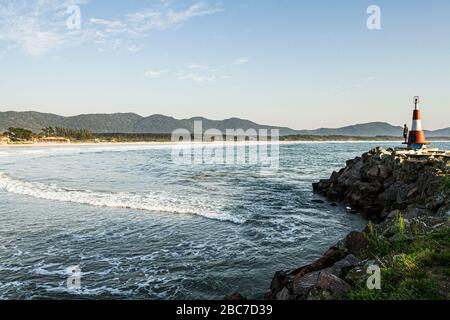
(356, 243)
(379, 171)
(342, 267)
(313, 285)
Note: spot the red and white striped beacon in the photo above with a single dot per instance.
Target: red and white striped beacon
(416, 139)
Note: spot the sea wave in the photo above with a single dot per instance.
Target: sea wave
(152, 202)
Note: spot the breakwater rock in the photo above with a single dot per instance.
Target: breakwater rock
(406, 196)
(381, 181)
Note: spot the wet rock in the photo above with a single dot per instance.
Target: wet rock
(279, 281)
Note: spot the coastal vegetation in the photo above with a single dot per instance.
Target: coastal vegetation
(416, 269)
(73, 134)
(19, 134)
(84, 135)
(133, 137)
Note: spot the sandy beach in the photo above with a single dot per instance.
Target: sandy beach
(150, 143)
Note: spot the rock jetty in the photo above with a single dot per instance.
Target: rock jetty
(406, 197)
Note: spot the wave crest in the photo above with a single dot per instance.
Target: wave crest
(153, 202)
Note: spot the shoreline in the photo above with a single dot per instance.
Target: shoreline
(162, 143)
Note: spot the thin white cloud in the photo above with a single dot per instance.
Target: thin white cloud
(194, 66)
(134, 48)
(197, 77)
(203, 72)
(200, 72)
(39, 27)
(154, 73)
(109, 25)
(36, 27)
(241, 61)
(157, 19)
(201, 9)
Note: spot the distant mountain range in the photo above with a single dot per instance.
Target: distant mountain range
(371, 129)
(134, 123)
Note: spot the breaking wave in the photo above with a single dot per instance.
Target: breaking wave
(153, 202)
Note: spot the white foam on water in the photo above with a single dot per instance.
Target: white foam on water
(153, 202)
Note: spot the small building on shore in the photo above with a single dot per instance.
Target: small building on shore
(51, 140)
(4, 139)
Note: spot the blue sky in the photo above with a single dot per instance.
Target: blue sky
(303, 64)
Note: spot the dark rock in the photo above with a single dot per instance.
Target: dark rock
(356, 243)
(414, 211)
(372, 188)
(358, 276)
(313, 284)
(302, 285)
(341, 267)
(235, 297)
(413, 192)
(336, 286)
(316, 187)
(284, 294)
(328, 259)
(333, 195)
(444, 211)
(394, 214)
(279, 281)
(348, 261)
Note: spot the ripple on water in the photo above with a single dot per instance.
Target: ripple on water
(141, 227)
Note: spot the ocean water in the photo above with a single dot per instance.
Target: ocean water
(139, 226)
